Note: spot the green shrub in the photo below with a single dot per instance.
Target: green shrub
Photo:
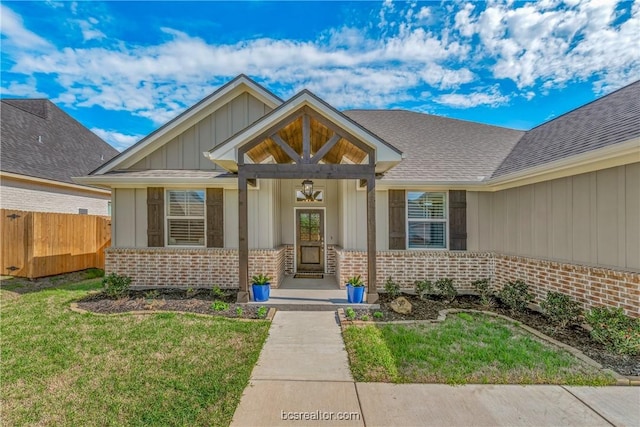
(116, 286)
(378, 315)
(561, 309)
(350, 313)
(217, 293)
(516, 296)
(262, 312)
(364, 317)
(355, 281)
(260, 279)
(391, 288)
(483, 288)
(616, 331)
(219, 305)
(423, 288)
(445, 289)
(93, 273)
(239, 311)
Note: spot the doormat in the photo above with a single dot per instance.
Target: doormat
(308, 276)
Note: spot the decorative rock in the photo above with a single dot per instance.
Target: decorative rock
(401, 305)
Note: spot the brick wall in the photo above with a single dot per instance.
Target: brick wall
(405, 267)
(195, 267)
(289, 260)
(591, 286)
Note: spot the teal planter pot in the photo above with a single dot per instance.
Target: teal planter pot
(355, 294)
(261, 292)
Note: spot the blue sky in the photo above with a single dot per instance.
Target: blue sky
(125, 68)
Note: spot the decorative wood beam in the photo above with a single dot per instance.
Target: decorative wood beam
(372, 291)
(346, 134)
(325, 148)
(312, 171)
(286, 148)
(306, 139)
(243, 237)
(266, 133)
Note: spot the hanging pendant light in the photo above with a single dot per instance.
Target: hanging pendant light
(307, 188)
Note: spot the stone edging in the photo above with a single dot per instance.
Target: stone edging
(75, 308)
(442, 315)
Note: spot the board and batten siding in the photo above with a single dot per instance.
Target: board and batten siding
(185, 150)
(130, 208)
(353, 214)
(592, 218)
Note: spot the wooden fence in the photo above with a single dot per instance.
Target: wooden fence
(39, 244)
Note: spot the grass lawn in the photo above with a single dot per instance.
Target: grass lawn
(64, 368)
(464, 349)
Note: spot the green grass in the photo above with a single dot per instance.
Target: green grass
(464, 349)
(64, 368)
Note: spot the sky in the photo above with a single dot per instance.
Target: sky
(123, 68)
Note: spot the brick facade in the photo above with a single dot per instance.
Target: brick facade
(591, 286)
(289, 261)
(405, 267)
(191, 267)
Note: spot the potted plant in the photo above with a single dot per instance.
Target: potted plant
(260, 286)
(355, 290)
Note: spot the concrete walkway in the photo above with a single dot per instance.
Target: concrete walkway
(302, 378)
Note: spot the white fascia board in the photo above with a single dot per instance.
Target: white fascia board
(44, 181)
(607, 157)
(174, 128)
(109, 181)
(228, 153)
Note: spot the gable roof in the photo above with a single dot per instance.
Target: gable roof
(40, 140)
(438, 148)
(609, 120)
(186, 119)
(225, 154)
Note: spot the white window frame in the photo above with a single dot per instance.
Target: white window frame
(167, 217)
(445, 220)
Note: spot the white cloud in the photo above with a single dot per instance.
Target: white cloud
(16, 34)
(118, 140)
(22, 90)
(491, 98)
(89, 32)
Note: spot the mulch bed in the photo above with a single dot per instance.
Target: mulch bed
(574, 335)
(192, 301)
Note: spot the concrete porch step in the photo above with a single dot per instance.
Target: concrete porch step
(313, 307)
(311, 300)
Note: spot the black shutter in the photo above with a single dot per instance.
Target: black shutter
(155, 217)
(397, 219)
(215, 217)
(458, 220)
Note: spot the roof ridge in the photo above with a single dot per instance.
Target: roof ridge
(579, 107)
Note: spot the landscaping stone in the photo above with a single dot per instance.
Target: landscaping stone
(401, 305)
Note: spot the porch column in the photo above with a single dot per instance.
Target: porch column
(372, 291)
(243, 240)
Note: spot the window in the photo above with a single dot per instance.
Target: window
(83, 211)
(317, 196)
(185, 218)
(427, 220)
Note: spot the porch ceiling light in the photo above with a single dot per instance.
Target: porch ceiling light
(307, 188)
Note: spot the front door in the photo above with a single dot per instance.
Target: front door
(310, 240)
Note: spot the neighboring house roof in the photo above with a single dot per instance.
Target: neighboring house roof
(609, 120)
(438, 148)
(40, 140)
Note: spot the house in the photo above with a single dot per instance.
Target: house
(244, 183)
(42, 147)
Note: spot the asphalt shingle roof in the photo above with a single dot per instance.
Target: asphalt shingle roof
(439, 148)
(38, 139)
(609, 120)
